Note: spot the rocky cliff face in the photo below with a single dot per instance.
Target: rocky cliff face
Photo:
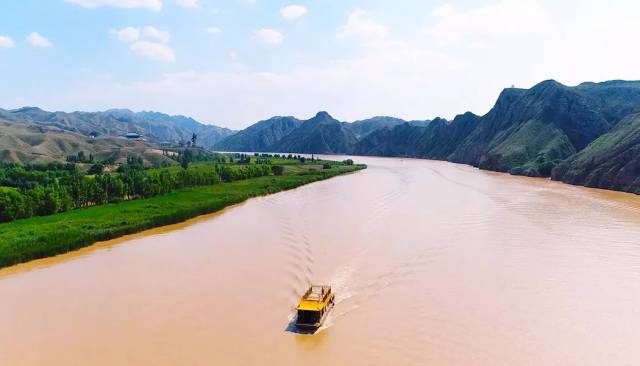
(611, 162)
(614, 99)
(401, 140)
(531, 131)
(442, 138)
(528, 127)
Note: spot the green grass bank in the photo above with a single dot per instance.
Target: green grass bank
(45, 236)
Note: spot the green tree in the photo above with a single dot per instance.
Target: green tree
(13, 205)
(51, 202)
(187, 157)
(37, 200)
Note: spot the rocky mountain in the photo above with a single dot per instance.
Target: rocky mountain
(435, 140)
(323, 133)
(364, 127)
(527, 128)
(442, 137)
(587, 133)
(611, 162)
(320, 134)
(614, 99)
(155, 127)
(261, 136)
(529, 131)
(401, 140)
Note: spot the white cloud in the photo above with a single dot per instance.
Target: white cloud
(421, 76)
(154, 51)
(148, 42)
(37, 40)
(214, 30)
(497, 18)
(188, 3)
(154, 33)
(131, 34)
(149, 4)
(6, 41)
(127, 34)
(293, 11)
(360, 25)
(268, 36)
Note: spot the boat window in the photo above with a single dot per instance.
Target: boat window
(308, 317)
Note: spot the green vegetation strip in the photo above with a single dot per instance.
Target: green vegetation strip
(40, 237)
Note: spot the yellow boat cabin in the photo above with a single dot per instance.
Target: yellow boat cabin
(314, 306)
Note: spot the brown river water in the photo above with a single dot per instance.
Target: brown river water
(432, 263)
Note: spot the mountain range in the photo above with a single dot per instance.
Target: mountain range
(587, 135)
(320, 134)
(31, 134)
(29, 143)
(153, 126)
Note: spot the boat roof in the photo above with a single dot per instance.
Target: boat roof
(313, 298)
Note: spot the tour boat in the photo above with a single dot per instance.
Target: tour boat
(314, 307)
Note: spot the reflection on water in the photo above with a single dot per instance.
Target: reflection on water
(431, 262)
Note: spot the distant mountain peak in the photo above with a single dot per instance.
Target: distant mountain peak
(467, 115)
(323, 115)
(27, 109)
(439, 120)
(119, 110)
(277, 118)
(548, 85)
(549, 82)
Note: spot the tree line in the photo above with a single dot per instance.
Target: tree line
(27, 191)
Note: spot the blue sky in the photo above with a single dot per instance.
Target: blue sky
(234, 62)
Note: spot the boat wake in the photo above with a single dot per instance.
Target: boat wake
(351, 295)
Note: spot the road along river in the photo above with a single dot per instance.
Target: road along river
(432, 263)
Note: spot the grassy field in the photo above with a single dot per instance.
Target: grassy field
(39, 237)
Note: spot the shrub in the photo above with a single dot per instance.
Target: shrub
(277, 169)
(96, 169)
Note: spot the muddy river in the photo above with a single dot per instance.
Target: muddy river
(432, 264)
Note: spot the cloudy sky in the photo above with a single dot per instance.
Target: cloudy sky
(234, 62)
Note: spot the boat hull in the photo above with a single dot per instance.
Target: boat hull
(318, 324)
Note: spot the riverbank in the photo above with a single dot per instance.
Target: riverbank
(40, 237)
